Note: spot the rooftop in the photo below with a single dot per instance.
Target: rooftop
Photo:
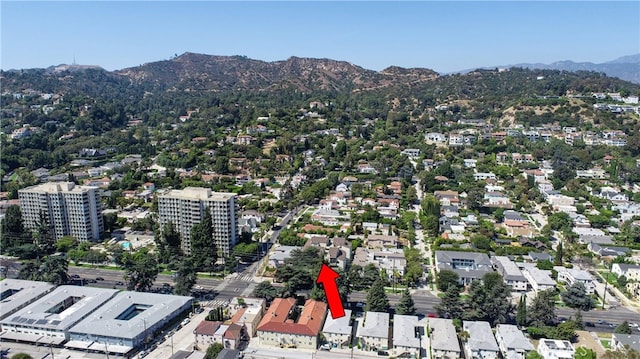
(443, 335)
(198, 193)
(338, 326)
(404, 334)
(513, 338)
(480, 336)
(128, 314)
(375, 325)
(16, 293)
(277, 319)
(61, 309)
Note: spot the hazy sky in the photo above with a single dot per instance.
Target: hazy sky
(443, 36)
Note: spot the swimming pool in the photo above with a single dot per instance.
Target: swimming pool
(126, 245)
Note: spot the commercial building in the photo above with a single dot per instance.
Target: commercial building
(70, 210)
(185, 208)
(284, 325)
(49, 319)
(15, 294)
(127, 321)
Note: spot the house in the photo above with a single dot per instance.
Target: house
(405, 340)
(435, 138)
(208, 333)
(373, 331)
(510, 272)
(443, 338)
(512, 342)
(277, 258)
(556, 349)
(337, 332)
(470, 163)
(411, 152)
(625, 341)
(483, 176)
(285, 325)
(608, 251)
(248, 312)
(469, 266)
(480, 343)
(621, 269)
(538, 279)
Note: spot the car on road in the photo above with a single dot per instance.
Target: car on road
(99, 278)
(119, 283)
(92, 281)
(75, 276)
(325, 346)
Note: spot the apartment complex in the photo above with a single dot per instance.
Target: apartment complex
(70, 210)
(185, 208)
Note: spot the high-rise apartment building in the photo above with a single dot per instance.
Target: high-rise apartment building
(185, 208)
(70, 210)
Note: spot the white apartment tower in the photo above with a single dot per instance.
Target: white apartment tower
(185, 208)
(70, 210)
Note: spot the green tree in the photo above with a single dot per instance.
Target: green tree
(534, 355)
(141, 272)
(21, 356)
(576, 297)
(265, 290)
(12, 227)
(204, 253)
(542, 310)
(559, 255)
(450, 305)
(66, 243)
(377, 300)
(186, 277)
(213, 350)
(405, 305)
(446, 278)
(52, 269)
(521, 312)
(623, 328)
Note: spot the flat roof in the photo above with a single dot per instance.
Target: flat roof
(198, 193)
(338, 326)
(404, 332)
(510, 270)
(42, 313)
(480, 336)
(108, 321)
(443, 335)
(376, 325)
(17, 293)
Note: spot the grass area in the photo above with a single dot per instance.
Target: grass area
(609, 277)
(94, 266)
(606, 343)
(604, 335)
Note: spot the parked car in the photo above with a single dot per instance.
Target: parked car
(99, 278)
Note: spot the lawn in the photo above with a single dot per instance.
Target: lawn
(606, 343)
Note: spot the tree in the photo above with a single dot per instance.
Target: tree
(450, 305)
(576, 297)
(405, 305)
(66, 243)
(585, 353)
(21, 356)
(42, 235)
(521, 312)
(142, 272)
(186, 277)
(213, 350)
(534, 355)
(542, 310)
(265, 290)
(578, 320)
(204, 253)
(623, 328)
(52, 269)
(446, 278)
(559, 255)
(626, 353)
(377, 300)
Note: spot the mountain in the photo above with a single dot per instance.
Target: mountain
(197, 72)
(626, 68)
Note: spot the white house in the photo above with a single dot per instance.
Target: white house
(373, 331)
(512, 342)
(405, 340)
(481, 343)
(443, 338)
(573, 275)
(556, 349)
(337, 332)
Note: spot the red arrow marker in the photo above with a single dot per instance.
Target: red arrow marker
(327, 277)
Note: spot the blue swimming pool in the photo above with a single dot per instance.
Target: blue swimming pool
(126, 245)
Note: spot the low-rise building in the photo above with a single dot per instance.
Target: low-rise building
(443, 338)
(510, 272)
(286, 325)
(512, 342)
(373, 331)
(625, 342)
(469, 266)
(248, 312)
(337, 332)
(480, 343)
(556, 349)
(18, 293)
(405, 340)
(538, 279)
(573, 275)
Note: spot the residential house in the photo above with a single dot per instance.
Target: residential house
(480, 344)
(510, 272)
(435, 138)
(248, 312)
(624, 342)
(469, 266)
(405, 340)
(205, 332)
(556, 349)
(444, 339)
(373, 331)
(277, 258)
(337, 332)
(538, 279)
(622, 269)
(512, 342)
(483, 176)
(411, 152)
(285, 325)
(608, 251)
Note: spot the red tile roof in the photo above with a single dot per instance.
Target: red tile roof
(309, 322)
(207, 328)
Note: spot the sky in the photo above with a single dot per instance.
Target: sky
(443, 36)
